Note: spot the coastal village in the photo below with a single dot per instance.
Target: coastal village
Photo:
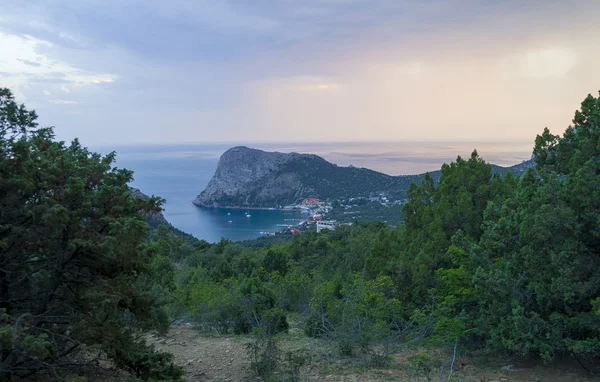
(315, 214)
(316, 209)
(329, 215)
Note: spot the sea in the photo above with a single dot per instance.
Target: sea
(179, 172)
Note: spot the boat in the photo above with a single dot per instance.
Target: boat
(230, 221)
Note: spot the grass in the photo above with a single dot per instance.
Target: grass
(310, 357)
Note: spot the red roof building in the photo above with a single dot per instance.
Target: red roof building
(312, 201)
(295, 230)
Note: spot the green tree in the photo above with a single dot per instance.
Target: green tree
(361, 316)
(72, 248)
(540, 250)
(433, 215)
(276, 260)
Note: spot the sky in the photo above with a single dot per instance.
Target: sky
(115, 72)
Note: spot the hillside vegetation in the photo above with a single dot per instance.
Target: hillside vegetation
(483, 264)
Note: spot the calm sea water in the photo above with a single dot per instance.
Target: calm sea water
(179, 172)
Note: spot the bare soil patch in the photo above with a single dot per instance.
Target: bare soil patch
(224, 358)
(206, 358)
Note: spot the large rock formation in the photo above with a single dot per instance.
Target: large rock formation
(247, 178)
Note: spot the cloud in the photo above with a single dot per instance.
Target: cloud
(321, 87)
(315, 87)
(30, 63)
(63, 102)
(27, 60)
(217, 14)
(287, 85)
(551, 62)
(210, 70)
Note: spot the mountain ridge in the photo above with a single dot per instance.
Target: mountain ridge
(253, 178)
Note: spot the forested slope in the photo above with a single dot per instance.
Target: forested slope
(483, 263)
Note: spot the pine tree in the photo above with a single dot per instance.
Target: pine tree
(72, 248)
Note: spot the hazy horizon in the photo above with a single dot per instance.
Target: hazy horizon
(393, 158)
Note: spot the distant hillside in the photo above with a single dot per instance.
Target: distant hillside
(156, 219)
(247, 178)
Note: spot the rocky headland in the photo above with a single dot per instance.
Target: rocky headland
(251, 178)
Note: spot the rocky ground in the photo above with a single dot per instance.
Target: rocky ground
(224, 358)
(206, 358)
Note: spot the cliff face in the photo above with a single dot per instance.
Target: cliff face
(248, 177)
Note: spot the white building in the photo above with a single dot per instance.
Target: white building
(326, 224)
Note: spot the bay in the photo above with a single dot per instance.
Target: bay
(179, 172)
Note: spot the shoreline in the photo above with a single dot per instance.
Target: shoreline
(247, 208)
(239, 208)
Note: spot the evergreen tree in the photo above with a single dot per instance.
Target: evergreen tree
(540, 253)
(72, 248)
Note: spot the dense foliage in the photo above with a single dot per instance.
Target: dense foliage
(75, 263)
